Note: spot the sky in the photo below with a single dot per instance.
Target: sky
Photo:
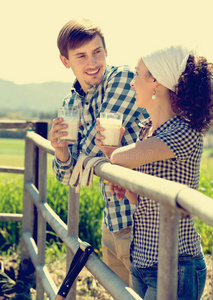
(29, 30)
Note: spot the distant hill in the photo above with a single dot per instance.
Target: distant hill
(44, 97)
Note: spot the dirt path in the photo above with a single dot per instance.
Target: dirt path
(88, 288)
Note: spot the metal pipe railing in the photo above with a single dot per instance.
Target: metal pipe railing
(173, 198)
(168, 253)
(111, 282)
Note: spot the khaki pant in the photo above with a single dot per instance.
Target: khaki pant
(115, 248)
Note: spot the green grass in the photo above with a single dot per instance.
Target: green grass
(206, 173)
(206, 187)
(12, 152)
(11, 195)
(12, 146)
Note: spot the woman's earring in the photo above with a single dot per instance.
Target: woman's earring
(154, 96)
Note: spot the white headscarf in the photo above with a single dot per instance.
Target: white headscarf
(166, 65)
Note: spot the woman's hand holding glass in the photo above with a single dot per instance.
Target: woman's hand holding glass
(107, 150)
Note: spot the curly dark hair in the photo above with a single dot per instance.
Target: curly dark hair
(193, 96)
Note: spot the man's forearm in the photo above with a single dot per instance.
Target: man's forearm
(63, 156)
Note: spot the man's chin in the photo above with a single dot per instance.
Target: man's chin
(95, 81)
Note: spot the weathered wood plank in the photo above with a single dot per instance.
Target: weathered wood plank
(9, 169)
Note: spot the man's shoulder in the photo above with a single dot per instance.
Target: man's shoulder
(123, 70)
(69, 99)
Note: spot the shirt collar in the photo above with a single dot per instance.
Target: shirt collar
(76, 88)
(165, 126)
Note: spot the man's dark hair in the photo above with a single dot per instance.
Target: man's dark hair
(75, 33)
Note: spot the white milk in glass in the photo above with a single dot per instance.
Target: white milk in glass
(71, 119)
(111, 122)
(72, 130)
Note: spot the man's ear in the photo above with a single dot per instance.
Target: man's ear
(64, 61)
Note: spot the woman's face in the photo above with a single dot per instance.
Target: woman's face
(143, 84)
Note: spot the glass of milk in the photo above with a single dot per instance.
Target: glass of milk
(111, 122)
(71, 118)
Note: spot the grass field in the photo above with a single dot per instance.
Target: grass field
(12, 153)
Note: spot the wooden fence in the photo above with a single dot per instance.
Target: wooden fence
(173, 198)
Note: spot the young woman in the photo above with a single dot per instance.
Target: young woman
(175, 87)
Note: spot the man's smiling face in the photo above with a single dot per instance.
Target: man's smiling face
(87, 62)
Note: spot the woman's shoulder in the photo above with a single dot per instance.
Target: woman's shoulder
(180, 137)
(177, 125)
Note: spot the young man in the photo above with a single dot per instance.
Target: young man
(97, 88)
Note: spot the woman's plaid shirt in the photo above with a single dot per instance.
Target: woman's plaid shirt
(113, 94)
(187, 146)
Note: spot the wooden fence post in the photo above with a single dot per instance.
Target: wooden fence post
(27, 225)
(72, 229)
(41, 128)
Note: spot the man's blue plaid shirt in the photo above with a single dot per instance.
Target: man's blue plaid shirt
(113, 94)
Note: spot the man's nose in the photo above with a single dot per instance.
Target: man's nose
(92, 61)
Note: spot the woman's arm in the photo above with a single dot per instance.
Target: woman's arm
(141, 153)
(136, 154)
